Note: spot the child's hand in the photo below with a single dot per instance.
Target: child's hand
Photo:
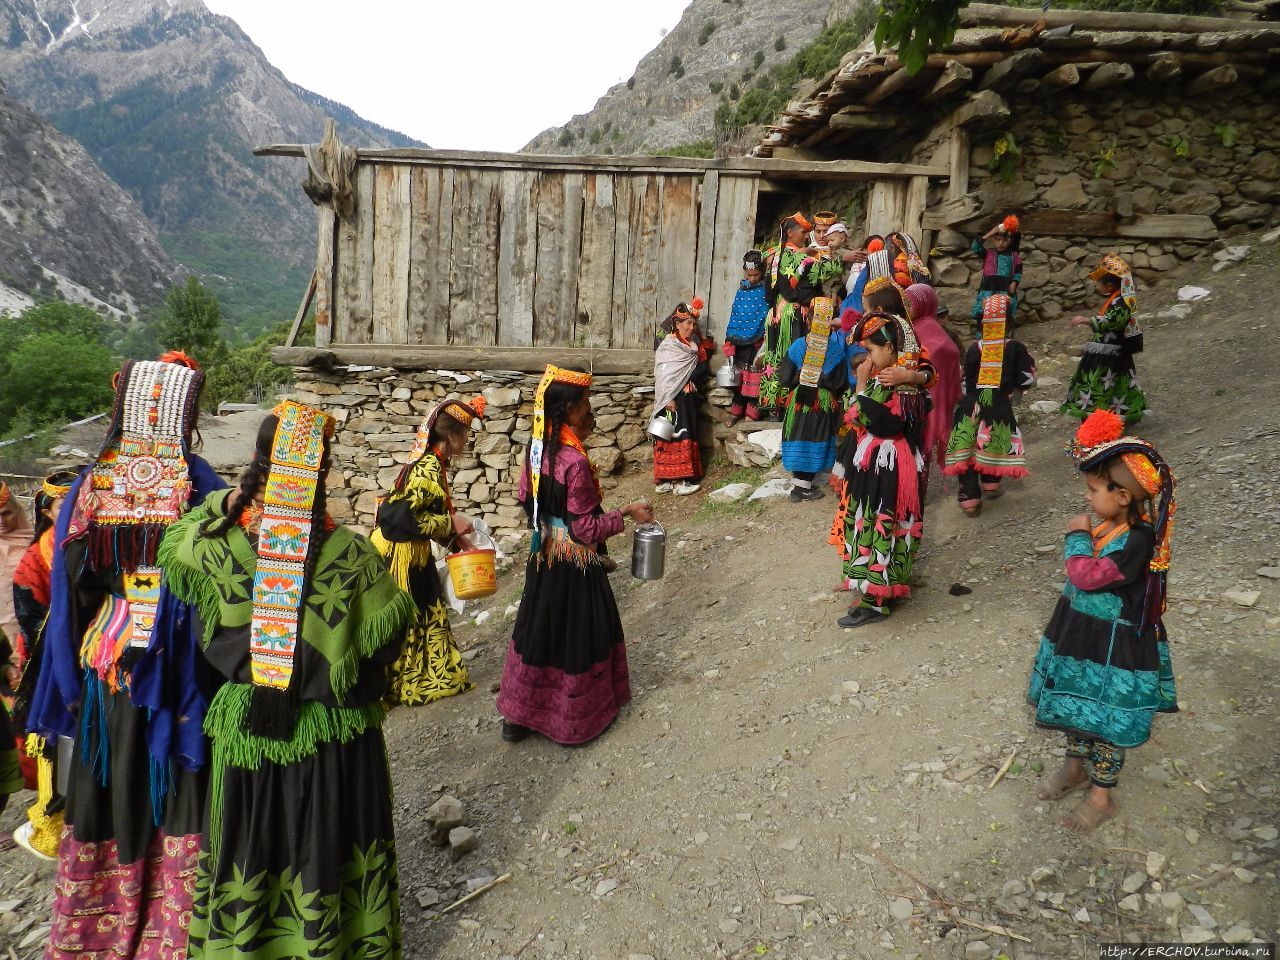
(1080, 523)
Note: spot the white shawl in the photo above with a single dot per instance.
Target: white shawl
(673, 365)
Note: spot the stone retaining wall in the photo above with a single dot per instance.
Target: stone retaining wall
(378, 412)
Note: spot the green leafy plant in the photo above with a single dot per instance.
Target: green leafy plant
(780, 43)
(704, 35)
(715, 86)
(914, 27)
(1105, 160)
(1057, 138)
(1226, 134)
(1180, 146)
(1006, 155)
(676, 69)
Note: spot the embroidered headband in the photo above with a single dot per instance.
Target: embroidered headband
(285, 539)
(800, 220)
(55, 490)
(689, 311)
(825, 218)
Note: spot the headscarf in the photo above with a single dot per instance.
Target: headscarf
(538, 437)
(286, 538)
(1112, 266)
(1099, 439)
(922, 302)
(673, 365)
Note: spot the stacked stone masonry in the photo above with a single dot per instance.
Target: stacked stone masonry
(379, 410)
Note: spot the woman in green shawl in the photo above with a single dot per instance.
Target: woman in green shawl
(301, 620)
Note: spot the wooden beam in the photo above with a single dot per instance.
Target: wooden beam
(960, 210)
(1163, 69)
(1080, 223)
(986, 14)
(866, 121)
(302, 312)
(1107, 75)
(1010, 70)
(325, 243)
(524, 359)
(1059, 79)
(801, 153)
(958, 163)
(729, 166)
(889, 86)
(1212, 80)
(955, 76)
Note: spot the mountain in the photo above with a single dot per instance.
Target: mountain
(68, 229)
(721, 54)
(170, 100)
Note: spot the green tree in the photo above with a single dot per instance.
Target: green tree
(54, 317)
(32, 394)
(191, 321)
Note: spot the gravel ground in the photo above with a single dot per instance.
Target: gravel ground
(781, 787)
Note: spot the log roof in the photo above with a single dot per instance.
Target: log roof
(1004, 51)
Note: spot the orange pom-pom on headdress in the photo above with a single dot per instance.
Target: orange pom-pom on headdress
(696, 305)
(180, 358)
(1101, 426)
(875, 246)
(1011, 224)
(478, 404)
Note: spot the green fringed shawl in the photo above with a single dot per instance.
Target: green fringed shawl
(352, 610)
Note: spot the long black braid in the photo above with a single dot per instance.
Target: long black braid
(556, 403)
(251, 479)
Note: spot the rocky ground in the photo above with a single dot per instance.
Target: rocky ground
(783, 788)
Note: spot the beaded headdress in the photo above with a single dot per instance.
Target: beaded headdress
(5, 493)
(52, 488)
(140, 483)
(1112, 266)
(689, 311)
(815, 346)
(464, 413)
(285, 539)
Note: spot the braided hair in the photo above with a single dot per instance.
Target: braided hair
(556, 403)
(886, 299)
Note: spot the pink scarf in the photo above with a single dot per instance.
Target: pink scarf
(922, 302)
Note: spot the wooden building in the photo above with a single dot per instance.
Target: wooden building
(432, 258)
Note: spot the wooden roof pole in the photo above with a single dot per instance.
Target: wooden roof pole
(985, 14)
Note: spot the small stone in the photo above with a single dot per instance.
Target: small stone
(1266, 833)
(1045, 406)
(1040, 874)
(442, 816)
(1013, 888)
(1271, 573)
(1133, 882)
(728, 926)
(1203, 917)
(606, 887)
(1244, 875)
(1238, 933)
(790, 844)
(428, 898)
(1171, 900)
(900, 908)
(730, 493)
(1192, 293)
(701, 837)
(475, 883)
(1156, 862)
(1196, 935)
(1132, 902)
(852, 686)
(1081, 915)
(1192, 835)
(462, 840)
(1242, 598)
(977, 948)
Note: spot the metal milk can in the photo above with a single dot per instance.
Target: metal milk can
(649, 551)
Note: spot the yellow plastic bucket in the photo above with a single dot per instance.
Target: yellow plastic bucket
(473, 574)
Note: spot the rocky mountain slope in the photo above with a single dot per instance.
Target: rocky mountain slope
(171, 99)
(718, 51)
(68, 228)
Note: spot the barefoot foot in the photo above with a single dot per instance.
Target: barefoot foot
(1062, 783)
(1086, 817)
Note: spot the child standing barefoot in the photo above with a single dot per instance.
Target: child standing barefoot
(986, 444)
(1106, 378)
(1103, 669)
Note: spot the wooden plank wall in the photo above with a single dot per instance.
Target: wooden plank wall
(475, 256)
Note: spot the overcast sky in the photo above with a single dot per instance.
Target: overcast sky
(477, 75)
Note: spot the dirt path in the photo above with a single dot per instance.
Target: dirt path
(780, 787)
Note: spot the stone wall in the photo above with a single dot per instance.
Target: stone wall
(378, 412)
(1169, 154)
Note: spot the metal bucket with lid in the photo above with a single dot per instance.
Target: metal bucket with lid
(649, 551)
(728, 376)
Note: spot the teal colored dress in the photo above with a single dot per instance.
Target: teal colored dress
(1100, 672)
